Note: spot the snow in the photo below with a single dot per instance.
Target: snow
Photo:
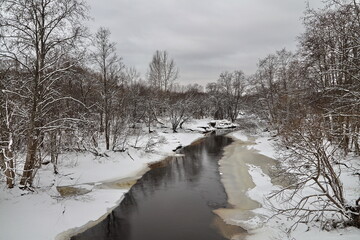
(261, 143)
(223, 124)
(45, 214)
(262, 224)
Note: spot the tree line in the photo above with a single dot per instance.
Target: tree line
(312, 99)
(64, 89)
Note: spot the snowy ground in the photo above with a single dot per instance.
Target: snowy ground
(45, 214)
(260, 226)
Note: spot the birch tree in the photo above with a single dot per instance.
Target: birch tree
(40, 38)
(7, 126)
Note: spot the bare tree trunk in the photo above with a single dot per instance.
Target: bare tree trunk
(101, 122)
(39, 37)
(32, 138)
(54, 151)
(356, 140)
(7, 164)
(345, 137)
(9, 172)
(107, 131)
(149, 123)
(27, 177)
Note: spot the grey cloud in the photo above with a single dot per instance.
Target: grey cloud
(203, 36)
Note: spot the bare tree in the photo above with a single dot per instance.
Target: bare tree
(327, 114)
(39, 36)
(215, 101)
(7, 161)
(238, 87)
(266, 74)
(162, 71)
(315, 163)
(226, 94)
(110, 66)
(181, 107)
(330, 45)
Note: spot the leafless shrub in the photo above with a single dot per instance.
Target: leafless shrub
(318, 193)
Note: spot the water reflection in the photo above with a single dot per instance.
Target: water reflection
(171, 202)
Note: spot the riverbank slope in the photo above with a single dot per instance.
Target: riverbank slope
(245, 169)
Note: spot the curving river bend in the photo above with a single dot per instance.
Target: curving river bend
(178, 199)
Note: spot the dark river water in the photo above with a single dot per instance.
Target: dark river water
(171, 202)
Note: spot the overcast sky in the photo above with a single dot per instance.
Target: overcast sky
(204, 37)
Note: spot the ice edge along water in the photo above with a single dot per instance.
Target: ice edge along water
(254, 217)
(238, 182)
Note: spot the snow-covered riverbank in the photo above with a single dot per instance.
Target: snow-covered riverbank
(255, 216)
(45, 214)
